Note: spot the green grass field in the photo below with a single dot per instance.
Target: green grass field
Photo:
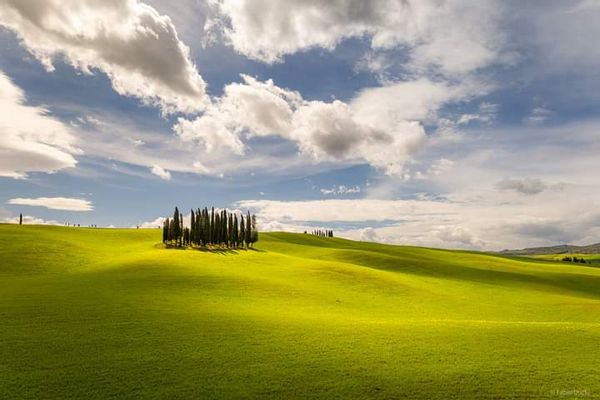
(103, 314)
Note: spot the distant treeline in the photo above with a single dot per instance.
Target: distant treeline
(574, 259)
(321, 233)
(211, 228)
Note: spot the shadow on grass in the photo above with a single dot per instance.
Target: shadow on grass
(213, 250)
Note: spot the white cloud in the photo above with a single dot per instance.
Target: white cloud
(201, 168)
(527, 186)
(30, 139)
(212, 131)
(416, 100)
(487, 113)
(158, 222)
(538, 116)
(455, 35)
(141, 54)
(330, 131)
(55, 203)
(437, 168)
(341, 190)
(161, 172)
(472, 216)
(381, 126)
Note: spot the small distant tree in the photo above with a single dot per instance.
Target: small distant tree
(20, 219)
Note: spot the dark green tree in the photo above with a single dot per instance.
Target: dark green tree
(242, 231)
(176, 232)
(192, 227)
(248, 230)
(166, 230)
(254, 234)
(235, 231)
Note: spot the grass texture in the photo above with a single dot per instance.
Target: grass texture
(109, 313)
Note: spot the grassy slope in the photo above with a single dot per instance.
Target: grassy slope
(109, 313)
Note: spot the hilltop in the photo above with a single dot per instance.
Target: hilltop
(111, 313)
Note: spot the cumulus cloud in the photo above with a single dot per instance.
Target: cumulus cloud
(383, 126)
(55, 203)
(212, 131)
(30, 139)
(252, 107)
(161, 172)
(141, 54)
(438, 34)
(528, 186)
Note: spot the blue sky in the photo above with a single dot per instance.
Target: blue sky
(451, 124)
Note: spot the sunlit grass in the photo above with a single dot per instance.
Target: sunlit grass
(111, 313)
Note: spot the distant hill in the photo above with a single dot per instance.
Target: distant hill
(560, 249)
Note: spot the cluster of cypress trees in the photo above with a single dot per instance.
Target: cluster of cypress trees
(321, 233)
(214, 228)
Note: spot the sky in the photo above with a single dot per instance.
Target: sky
(443, 123)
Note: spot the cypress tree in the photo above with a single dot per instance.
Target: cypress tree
(186, 236)
(171, 230)
(242, 231)
(248, 230)
(235, 231)
(211, 239)
(192, 226)
(230, 230)
(180, 229)
(176, 226)
(206, 227)
(166, 230)
(254, 234)
(224, 229)
(198, 235)
(217, 238)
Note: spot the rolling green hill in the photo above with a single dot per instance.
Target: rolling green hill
(94, 313)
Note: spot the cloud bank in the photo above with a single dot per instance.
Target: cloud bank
(30, 139)
(381, 126)
(128, 40)
(55, 203)
(454, 36)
